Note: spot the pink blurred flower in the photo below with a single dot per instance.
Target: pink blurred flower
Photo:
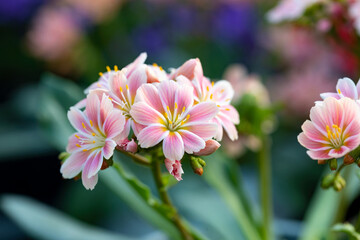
(354, 12)
(345, 87)
(220, 93)
(167, 111)
(210, 148)
(97, 127)
(53, 34)
(174, 168)
(323, 25)
(334, 129)
(289, 10)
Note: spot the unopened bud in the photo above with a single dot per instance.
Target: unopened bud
(197, 165)
(327, 181)
(63, 156)
(339, 183)
(348, 159)
(210, 147)
(322, 162)
(333, 164)
(131, 146)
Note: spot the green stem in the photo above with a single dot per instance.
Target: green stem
(265, 187)
(136, 157)
(357, 224)
(339, 169)
(156, 170)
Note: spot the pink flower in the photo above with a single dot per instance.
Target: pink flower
(168, 113)
(128, 146)
(210, 148)
(354, 12)
(155, 73)
(334, 129)
(174, 168)
(97, 127)
(220, 93)
(345, 87)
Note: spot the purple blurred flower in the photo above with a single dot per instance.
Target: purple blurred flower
(17, 10)
(149, 39)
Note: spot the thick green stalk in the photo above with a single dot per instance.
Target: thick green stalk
(136, 157)
(156, 170)
(265, 187)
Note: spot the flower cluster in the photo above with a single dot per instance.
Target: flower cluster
(334, 129)
(181, 112)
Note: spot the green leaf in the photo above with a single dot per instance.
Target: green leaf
(216, 176)
(327, 204)
(168, 180)
(43, 222)
(137, 196)
(346, 228)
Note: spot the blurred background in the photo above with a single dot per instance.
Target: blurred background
(52, 50)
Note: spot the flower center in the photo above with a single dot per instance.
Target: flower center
(176, 118)
(335, 135)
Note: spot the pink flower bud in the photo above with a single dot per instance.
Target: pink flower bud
(210, 148)
(174, 168)
(131, 146)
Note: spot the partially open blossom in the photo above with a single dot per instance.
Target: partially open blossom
(155, 73)
(210, 148)
(345, 87)
(174, 168)
(220, 93)
(169, 115)
(97, 127)
(334, 129)
(127, 145)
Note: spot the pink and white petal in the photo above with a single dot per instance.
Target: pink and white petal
(93, 108)
(145, 114)
(81, 104)
(78, 120)
(334, 112)
(136, 127)
(204, 130)
(231, 113)
(74, 142)
(152, 135)
(106, 107)
(114, 124)
(150, 95)
(167, 92)
(223, 91)
(125, 133)
(352, 142)
(312, 145)
(189, 69)
(347, 88)
(184, 97)
(329, 94)
(89, 183)
(219, 132)
(96, 160)
(318, 117)
(358, 88)
(313, 133)
(203, 112)
(174, 168)
(351, 111)
(118, 83)
(138, 61)
(108, 148)
(229, 127)
(339, 152)
(136, 79)
(74, 164)
(192, 142)
(319, 155)
(173, 146)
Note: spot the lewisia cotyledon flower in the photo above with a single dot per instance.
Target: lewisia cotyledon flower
(167, 111)
(97, 127)
(220, 93)
(334, 129)
(345, 87)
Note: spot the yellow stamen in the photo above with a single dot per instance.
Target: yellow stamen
(207, 88)
(161, 69)
(108, 68)
(227, 109)
(170, 121)
(120, 89)
(91, 123)
(93, 134)
(212, 83)
(218, 105)
(99, 85)
(188, 116)
(83, 125)
(339, 91)
(222, 90)
(127, 87)
(183, 110)
(155, 64)
(116, 68)
(110, 98)
(78, 145)
(228, 99)
(77, 136)
(101, 74)
(211, 96)
(167, 107)
(93, 141)
(84, 150)
(166, 115)
(176, 106)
